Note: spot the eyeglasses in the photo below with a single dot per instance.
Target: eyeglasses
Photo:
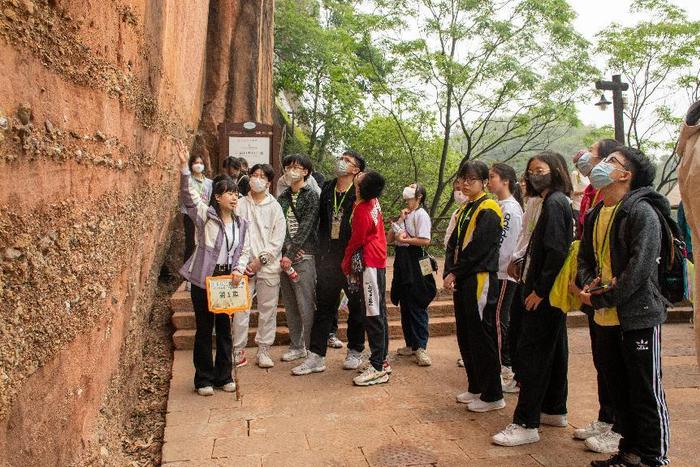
(538, 172)
(612, 158)
(469, 181)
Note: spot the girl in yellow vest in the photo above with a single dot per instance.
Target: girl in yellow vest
(471, 272)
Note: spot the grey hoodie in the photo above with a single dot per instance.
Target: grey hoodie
(635, 249)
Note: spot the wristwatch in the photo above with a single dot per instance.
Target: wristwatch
(264, 259)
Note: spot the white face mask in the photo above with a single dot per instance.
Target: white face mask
(258, 185)
(459, 197)
(409, 193)
(198, 168)
(292, 176)
(342, 167)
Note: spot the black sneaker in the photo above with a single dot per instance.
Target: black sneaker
(618, 460)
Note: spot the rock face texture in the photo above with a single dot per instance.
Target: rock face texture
(93, 95)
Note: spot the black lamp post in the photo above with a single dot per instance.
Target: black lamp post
(616, 86)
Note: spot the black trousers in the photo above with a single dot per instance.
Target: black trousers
(477, 336)
(189, 236)
(330, 280)
(206, 372)
(517, 308)
(377, 327)
(632, 373)
(505, 299)
(606, 412)
(543, 356)
(414, 323)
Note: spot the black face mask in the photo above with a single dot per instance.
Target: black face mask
(540, 182)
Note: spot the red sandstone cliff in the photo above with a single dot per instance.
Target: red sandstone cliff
(92, 95)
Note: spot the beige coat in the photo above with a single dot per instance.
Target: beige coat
(689, 181)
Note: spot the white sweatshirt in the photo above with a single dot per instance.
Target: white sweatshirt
(533, 207)
(512, 224)
(266, 232)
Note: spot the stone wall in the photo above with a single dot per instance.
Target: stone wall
(92, 96)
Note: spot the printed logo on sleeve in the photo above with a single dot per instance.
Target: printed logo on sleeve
(642, 344)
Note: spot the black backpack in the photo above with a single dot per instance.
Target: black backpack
(673, 274)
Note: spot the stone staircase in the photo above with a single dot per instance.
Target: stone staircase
(442, 321)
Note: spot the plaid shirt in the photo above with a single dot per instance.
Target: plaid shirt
(307, 208)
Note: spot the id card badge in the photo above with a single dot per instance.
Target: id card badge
(426, 268)
(335, 227)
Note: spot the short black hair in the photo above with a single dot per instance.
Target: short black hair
(267, 170)
(557, 167)
(371, 185)
(232, 162)
(300, 159)
(192, 159)
(243, 161)
(361, 164)
(606, 147)
(643, 170)
(474, 168)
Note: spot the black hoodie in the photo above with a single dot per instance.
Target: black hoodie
(635, 251)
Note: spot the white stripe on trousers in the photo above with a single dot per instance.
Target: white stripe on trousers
(501, 297)
(659, 395)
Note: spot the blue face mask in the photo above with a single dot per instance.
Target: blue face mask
(584, 164)
(601, 175)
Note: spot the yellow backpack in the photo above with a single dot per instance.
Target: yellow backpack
(561, 295)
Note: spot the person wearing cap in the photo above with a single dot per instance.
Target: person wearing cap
(336, 207)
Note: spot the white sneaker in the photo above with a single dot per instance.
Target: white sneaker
(506, 373)
(460, 363)
(405, 351)
(467, 397)
(205, 391)
(293, 354)
(477, 405)
(515, 435)
(423, 358)
(334, 342)
(314, 363)
(387, 367)
(229, 387)
(594, 428)
(353, 360)
(553, 420)
(239, 358)
(607, 442)
(371, 377)
(511, 387)
(263, 358)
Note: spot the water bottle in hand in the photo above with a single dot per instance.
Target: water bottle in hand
(293, 275)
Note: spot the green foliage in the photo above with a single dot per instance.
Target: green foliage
(658, 57)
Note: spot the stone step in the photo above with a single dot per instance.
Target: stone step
(439, 326)
(185, 319)
(442, 326)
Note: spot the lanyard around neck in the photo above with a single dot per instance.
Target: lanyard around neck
(606, 239)
(466, 215)
(336, 204)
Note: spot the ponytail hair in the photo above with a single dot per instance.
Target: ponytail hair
(420, 191)
(507, 172)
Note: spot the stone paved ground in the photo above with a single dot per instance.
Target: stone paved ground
(322, 419)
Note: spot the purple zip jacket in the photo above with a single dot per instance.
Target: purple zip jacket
(209, 237)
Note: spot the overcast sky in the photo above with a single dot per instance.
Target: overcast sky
(594, 15)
